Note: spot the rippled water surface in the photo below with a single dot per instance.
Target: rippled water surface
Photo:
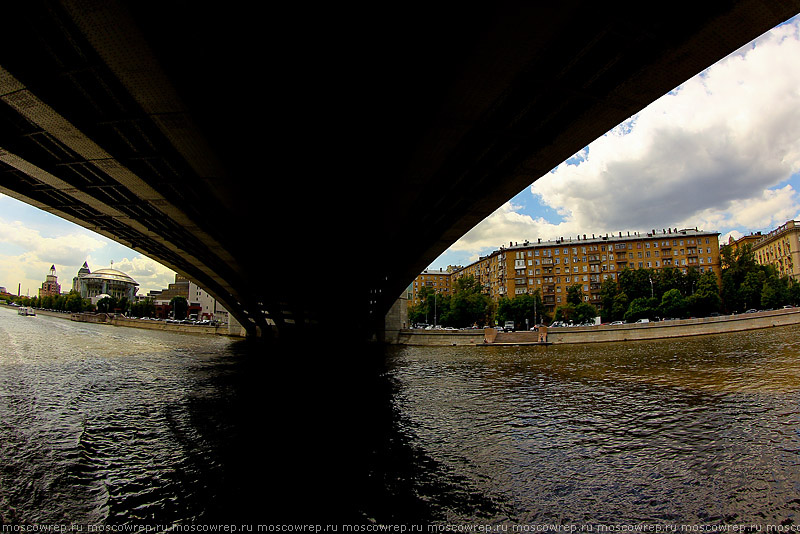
(100, 423)
(110, 425)
(699, 430)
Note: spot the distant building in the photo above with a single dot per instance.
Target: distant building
(551, 267)
(751, 240)
(207, 306)
(779, 248)
(109, 282)
(81, 271)
(179, 288)
(50, 287)
(438, 280)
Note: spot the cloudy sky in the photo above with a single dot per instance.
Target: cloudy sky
(721, 153)
(32, 240)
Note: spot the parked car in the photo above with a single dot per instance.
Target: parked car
(643, 321)
(616, 323)
(752, 310)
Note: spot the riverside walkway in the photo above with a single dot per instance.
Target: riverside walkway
(608, 333)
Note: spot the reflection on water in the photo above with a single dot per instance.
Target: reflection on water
(694, 430)
(111, 425)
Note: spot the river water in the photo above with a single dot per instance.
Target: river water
(104, 425)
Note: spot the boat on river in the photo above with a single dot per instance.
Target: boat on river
(26, 311)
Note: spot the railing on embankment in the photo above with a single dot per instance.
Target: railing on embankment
(607, 333)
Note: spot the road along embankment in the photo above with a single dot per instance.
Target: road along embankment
(607, 333)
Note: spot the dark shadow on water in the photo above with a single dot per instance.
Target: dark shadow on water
(308, 433)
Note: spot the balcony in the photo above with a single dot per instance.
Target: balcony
(594, 259)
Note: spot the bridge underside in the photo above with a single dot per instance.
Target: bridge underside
(303, 167)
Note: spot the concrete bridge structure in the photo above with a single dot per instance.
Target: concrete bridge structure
(304, 162)
(303, 165)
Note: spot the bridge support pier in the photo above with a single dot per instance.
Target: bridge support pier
(395, 320)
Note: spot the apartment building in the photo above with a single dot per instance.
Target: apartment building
(553, 266)
(779, 248)
(438, 280)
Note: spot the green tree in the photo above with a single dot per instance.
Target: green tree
(673, 304)
(469, 305)
(750, 288)
(565, 313)
(665, 279)
(427, 299)
(608, 292)
(575, 294)
(794, 292)
(775, 291)
(688, 281)
(636, 283)
(642, 308)
(106, 305)
(619, 307)
(585, 313)
(742, 278)
(705, 299)
(73, 302)
(143, 308)
(521, 308)
(179, 307)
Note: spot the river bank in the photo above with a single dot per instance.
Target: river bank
(145, 324)
(607, 333)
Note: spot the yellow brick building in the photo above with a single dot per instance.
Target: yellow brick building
(779, 248)
(438, 280)
(553, 266)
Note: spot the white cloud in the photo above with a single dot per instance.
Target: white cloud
(148, 273)
(26, 256)
(508, 225)
(69, 249)
(714, 144)
(714, 153)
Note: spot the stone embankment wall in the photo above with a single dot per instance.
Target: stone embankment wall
(152, 325)
(440, 337)
(234, 329)
(172, 327)
(607, 333)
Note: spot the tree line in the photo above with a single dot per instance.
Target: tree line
(72, 302)
(666, 293)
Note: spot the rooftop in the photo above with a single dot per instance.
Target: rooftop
(110, 274)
